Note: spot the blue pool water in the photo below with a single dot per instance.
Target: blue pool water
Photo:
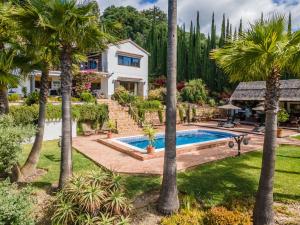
(140, 143)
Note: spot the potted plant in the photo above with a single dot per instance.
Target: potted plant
(149, 132)
(111, 125)
(282, 117)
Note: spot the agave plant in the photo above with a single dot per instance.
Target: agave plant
(117, 203)
(65, 212)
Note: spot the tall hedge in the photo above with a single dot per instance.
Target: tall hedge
(24, 115)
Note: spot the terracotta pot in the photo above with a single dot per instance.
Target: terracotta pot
(109, 135)
(279, 133)
(150, 149)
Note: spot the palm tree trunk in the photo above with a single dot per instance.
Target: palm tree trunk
(4, 106)
(168, 200)
(66, 141)
(263, 211)
(30, 165)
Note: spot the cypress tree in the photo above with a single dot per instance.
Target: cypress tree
(227, 30)
(290, 24)
(235, 34)
(223, 33)
(262, 18)
(213, 33)
(241, 28)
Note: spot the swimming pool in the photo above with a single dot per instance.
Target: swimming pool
(183, 139)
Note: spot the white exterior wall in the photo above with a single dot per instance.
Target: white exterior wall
(18, 90)
(53, 130)
(115, 70)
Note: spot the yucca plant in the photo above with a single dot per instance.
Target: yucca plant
(124, 221)
(86, 219)
(91, 198)
(65, 212)
(95, 198)
(117, 203)
(106, 219)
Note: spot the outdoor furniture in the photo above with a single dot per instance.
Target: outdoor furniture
(294, 121)
(236, 122)
(259, 129)
(229, 125)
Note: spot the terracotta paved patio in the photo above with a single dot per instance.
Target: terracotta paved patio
(123, 163)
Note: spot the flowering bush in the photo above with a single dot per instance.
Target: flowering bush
(83, 82)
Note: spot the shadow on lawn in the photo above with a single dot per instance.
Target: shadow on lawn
(52, 157)
(288, 156)
(214, 183)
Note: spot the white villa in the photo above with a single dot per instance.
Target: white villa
(124, 63)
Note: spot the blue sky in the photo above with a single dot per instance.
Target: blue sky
(248, 10)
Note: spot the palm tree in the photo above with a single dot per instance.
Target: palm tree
(168, 200)
(7, 78)
(7, 56)
(261, 54)
(41, 50)
(77, 29)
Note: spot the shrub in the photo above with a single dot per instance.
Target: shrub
(181, 113)
(91, 112)
(211, 102)
(160, 116)
(185, 217)
(24, 115)
(283, 115)
(32, 98)
(222, 216)
(194, 92)
(11, 138)
(24, 92)
(157, 94)
(16, 205)
(124, 97)
(97, 196)
(87, 97)
(14, 97)
(149, 105)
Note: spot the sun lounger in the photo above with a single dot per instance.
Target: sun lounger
(260, 129)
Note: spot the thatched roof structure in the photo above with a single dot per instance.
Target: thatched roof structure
(255, 91)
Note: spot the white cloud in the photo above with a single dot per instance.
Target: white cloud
(249, 10)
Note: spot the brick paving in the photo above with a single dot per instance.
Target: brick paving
(123, 163)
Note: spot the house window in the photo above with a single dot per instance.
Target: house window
(129, 61)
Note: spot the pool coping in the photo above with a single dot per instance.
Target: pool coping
(131, 151)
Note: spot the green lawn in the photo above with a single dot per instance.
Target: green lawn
(213, 182)
(297, 137)
(50, 160)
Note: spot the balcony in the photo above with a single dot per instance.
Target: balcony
(94, 65)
